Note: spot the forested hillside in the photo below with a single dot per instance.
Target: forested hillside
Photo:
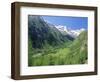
(48, 46)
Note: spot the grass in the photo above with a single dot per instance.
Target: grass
(60, 55)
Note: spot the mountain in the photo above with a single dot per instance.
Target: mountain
(79, 48)
(42, 33)
(51, 45)
(65, 30)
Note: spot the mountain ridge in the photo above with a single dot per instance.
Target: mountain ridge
(73, 33)
(48, 46)
(42, 32)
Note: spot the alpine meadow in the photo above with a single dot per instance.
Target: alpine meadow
(57, 40)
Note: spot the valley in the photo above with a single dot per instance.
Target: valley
(47, 45)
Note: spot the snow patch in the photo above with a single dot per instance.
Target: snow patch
(73, 33)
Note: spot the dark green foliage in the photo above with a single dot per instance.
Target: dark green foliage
(40, 31)
(48, 46)
(30, 52)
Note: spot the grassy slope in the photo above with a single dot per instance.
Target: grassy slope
(47, 46)
(68, 53)
(48, 56)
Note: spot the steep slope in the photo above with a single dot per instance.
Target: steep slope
(48, 46)
(42, 33)
(75, 53)
(79, 48)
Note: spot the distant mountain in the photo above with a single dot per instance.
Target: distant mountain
(73, 33)
(41, 33)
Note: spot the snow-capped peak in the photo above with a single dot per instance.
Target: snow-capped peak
(76, 32)
(62, 28)
(73, 33)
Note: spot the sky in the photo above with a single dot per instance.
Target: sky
(70, 22)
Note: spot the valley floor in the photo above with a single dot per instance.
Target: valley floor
(62, 55)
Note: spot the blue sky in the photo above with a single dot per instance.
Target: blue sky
(70, 22)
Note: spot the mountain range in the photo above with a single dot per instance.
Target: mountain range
(50, 44)
(42, 32)
(71, 32)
